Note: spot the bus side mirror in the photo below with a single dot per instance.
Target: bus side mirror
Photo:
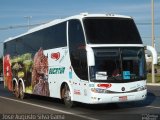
(90, 56)
(154, 53)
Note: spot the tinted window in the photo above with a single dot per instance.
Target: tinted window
(77, 49)
(10, 48)
(48, 38)
(27, 45)
(111, 31)
(55, 36)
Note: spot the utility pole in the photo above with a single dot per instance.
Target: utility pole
(28, 18)
(153, 40)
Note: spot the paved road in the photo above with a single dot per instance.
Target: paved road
(36, 107)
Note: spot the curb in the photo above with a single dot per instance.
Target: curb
(153, 84)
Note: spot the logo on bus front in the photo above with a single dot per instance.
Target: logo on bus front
(55, 56)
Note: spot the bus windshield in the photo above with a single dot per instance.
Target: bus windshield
(118, 65)
(111, 31)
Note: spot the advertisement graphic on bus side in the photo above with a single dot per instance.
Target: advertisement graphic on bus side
(34, 70)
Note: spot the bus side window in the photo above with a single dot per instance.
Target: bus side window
(55, 36)
(77, 51)
(10, 48)
(4, 48)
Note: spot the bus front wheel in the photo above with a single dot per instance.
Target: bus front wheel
(66, 95)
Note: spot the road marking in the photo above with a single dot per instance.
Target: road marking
(153, 107)
(57, 110)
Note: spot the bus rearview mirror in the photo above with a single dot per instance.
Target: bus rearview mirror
(90, 56)
(153, 52)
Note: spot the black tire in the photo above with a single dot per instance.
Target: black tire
(16, 91)
(66, 95)
(21, 93)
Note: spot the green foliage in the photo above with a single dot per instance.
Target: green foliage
(29, 89)
(149, 78)
(20, 59)
(22, 65)
(157, 75)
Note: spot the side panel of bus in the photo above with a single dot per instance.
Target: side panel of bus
(35, 58)
(43, 61)
(59, 66)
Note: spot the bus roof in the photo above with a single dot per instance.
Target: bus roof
(56, 21)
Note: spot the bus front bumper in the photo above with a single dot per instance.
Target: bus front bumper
(97, 98)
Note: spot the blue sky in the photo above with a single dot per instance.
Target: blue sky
(12, 13)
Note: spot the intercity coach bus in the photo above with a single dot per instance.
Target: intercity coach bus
(87, 58)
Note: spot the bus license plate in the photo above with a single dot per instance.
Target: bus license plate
(123, 98)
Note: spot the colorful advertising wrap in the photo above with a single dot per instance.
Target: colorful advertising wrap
(33, 70)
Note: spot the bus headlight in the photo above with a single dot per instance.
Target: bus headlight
(142, 88)
(99, 90)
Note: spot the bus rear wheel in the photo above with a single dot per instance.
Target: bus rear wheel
(66, 95)
(21, 93)
(16, 91)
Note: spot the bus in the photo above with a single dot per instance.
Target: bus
(87, 58)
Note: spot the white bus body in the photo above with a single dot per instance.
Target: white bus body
(88, 58)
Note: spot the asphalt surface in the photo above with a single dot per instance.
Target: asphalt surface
(43, 108)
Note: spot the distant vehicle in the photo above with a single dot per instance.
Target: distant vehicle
(88, 58)
(1, 78)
